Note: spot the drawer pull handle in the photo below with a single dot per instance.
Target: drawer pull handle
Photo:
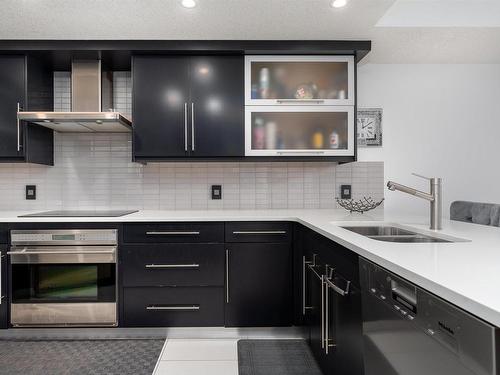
(187, 233)
(168, 266)
(174, 308)
(259, 232)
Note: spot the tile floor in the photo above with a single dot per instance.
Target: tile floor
(198, 356)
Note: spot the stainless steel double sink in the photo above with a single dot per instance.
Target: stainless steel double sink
(393, 234)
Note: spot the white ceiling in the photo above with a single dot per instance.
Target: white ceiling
(411, 42)
(442, 13)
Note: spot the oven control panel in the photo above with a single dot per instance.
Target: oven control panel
(64, 237)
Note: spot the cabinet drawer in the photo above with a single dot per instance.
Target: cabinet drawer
(174, 232)
(172, 264)
(174, 307)
(258, 232)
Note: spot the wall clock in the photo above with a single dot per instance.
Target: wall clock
(369, 127)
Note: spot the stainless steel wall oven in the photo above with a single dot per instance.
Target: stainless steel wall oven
(64, 277)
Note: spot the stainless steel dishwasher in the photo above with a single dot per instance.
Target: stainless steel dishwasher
(408, 331)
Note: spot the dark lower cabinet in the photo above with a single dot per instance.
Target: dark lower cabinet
(332, 305)
(258, 285)
(173, 307)
(313, 317)
(185, 233)
(344, 334)
(4, 300)
(173, 264)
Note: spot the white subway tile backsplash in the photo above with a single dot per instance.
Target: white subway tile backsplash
(94, 171)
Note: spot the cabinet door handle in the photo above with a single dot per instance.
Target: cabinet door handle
(173, 233)
(298, 152)
(185, 126)
(284, 101)
(171, 266)
(227, 276)
(192, 126)
(304, 285)
(174, 308)
(1, 290)
(322, 312)
(259, 232)
(329, 343)
(337, 289)
(19, 146)
(327, 316)
(313, 267)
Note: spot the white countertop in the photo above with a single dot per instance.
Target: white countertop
(464, 273)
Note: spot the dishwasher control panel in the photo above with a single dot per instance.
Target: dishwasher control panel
(395, 292)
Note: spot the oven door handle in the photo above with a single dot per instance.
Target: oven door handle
(28, 252)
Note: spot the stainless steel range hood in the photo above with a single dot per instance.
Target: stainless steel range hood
(91, 91)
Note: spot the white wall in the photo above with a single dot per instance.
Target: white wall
(439, 120)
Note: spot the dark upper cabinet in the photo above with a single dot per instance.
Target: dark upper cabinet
(26, 84)
(12, 94)
(160, 106)
(188, 106)
(258, 284)
(217, 106)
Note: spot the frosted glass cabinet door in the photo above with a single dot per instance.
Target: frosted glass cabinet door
(299, 80)
(299, 131)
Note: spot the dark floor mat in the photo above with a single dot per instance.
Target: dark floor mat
(83, 357)
(276, 357)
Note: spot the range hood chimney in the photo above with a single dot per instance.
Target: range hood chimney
(91, 103)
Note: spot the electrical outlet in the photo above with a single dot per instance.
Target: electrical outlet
(216, 191)
(345, 191)
(30, 192)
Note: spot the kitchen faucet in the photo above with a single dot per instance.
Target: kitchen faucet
(434, 197)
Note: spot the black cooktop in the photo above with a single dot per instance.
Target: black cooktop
(81, 213)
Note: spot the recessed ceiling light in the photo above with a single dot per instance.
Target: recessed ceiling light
(338, 3)
(188, 3)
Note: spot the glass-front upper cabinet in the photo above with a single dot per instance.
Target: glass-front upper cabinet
(299, 80)
(299, 131)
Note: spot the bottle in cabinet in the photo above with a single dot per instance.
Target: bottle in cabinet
(264, 80)
(271, 136)
(334, 140)
(318, 139)
(258, 136)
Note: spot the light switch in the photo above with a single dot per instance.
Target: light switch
(216, 191)
(30, 192)
(345, 191)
